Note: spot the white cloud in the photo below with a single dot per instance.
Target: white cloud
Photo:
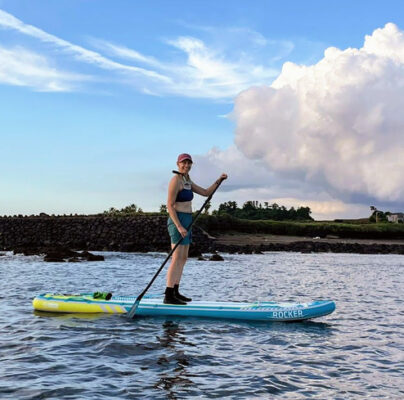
(8, 21)
(22, 67)
(252, 180)
(328, 136)
(124, 52)
(244, 172)
(326, 209)
(241, 38)
(205, 73)
(218, 70)
(338, 124)
(212, 74)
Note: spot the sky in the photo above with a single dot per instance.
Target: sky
(300, 103)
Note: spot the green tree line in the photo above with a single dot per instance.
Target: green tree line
(255, 210)
(132, 209)
(252, 210)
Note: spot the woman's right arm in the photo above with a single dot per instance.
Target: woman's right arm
(172, 196)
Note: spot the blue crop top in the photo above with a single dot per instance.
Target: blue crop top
(186, 194)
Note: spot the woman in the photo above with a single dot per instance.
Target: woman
(179, 205)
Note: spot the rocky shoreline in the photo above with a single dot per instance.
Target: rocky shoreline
(63, 254)
(48, 235)
(250, 244)
(313, 247)
(58, 254)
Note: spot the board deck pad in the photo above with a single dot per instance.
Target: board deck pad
(154, 306)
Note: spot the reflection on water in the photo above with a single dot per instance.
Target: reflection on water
(353, 353)
(173, 338)
(86, 316)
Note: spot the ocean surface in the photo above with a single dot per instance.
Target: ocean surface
(355, 353)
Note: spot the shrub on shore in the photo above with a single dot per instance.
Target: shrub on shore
(254, 210)
(226, 223)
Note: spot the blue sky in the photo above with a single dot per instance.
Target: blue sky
(97, 98)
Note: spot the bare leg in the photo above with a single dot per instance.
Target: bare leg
(172, 271)
(181, 263)
(178, 260)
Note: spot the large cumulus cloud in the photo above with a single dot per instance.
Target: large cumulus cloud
(337, 125)
(252, 180)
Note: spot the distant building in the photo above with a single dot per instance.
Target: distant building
(396, 217)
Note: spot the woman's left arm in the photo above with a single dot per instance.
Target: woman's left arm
(207, 192)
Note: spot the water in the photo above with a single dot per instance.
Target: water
(357, 352)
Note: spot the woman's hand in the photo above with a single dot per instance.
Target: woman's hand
(221, 178)
(183, 232)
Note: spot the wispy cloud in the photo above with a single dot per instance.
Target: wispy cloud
(238, 37)
(21, 67)
(200, 70)
(204, 73)
(8, 21)
(124, 52)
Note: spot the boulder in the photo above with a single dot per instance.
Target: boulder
(90, 257)
(194, 251)
(53, 259)
(247, 250)
(216, 257)
(73, 259)
(28, 250)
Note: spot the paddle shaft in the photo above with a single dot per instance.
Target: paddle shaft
(132, 311)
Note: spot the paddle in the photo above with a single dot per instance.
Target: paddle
(132, 311)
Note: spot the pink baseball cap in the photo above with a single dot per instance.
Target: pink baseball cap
(183, 157)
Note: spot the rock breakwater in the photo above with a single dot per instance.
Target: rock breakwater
(314, 247)
(131, 234)
(146, 233)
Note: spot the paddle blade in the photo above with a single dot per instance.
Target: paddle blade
(132, 311)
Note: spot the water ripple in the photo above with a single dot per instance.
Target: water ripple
(354, 353)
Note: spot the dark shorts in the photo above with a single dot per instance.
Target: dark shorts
(186, 220)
